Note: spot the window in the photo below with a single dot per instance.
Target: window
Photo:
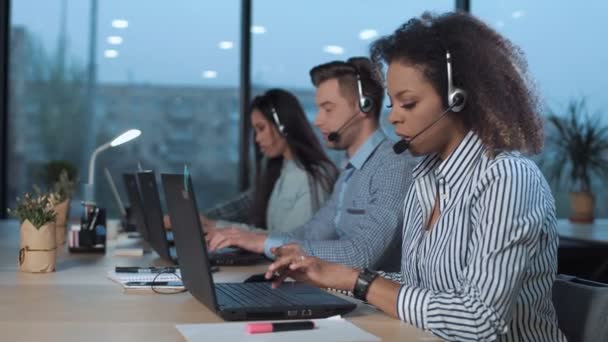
(290, 38)
(169, 69)
(564, 46)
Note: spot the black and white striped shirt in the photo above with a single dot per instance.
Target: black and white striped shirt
(485, 269)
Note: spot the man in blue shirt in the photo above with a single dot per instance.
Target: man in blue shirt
(360, 225)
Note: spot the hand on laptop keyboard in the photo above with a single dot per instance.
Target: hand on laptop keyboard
(259, 278)
(309, 269)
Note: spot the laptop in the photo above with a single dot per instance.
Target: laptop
(136, 204)
(115, 194)
(236, 301)
(162, 241)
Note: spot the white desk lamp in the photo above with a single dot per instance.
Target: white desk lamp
(119, 140)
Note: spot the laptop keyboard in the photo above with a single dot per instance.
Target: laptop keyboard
(254, 294)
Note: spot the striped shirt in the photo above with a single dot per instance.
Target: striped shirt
(485, 269)
(360, 224)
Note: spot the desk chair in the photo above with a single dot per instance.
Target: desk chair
(582, 309)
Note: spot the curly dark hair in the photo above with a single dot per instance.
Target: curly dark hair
(502, 104)
(345, 73)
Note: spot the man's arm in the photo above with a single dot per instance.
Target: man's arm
(366, 243)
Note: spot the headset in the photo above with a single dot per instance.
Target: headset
(365, 105)
(365, 102)
(457, 99)
(277, 121)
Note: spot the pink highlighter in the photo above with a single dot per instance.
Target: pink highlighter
(260, 328)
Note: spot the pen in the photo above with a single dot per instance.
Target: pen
(135, 269)
(92, 225)
(257, 328)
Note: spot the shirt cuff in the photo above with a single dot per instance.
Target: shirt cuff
(412, 305)
(273, 240)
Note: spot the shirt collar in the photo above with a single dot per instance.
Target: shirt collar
(366, 150)
(289, 164)
(456, 165)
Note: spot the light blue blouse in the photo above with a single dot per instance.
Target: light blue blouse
(292, 201)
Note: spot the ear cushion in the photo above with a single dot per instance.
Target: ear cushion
(366, 104)
(457, 100)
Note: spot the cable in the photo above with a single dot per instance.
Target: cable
(166, 271)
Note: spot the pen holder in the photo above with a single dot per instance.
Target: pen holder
(90, 236)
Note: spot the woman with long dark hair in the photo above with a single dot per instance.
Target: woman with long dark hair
(295, 177)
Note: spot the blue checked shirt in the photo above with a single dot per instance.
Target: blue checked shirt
(360, 225)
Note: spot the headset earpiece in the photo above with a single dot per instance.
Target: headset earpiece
(457, 97)
(278, 123)
(365, 103)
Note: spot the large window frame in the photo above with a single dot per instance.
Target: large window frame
(244, 91)
(4, 63)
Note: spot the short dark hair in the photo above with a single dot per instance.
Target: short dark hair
(502, 105)
(346, 74)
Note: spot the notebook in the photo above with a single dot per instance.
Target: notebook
(144, 280)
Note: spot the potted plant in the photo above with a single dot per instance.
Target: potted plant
(38, 248)
(579, 145)
(60, 197)
(60, 178)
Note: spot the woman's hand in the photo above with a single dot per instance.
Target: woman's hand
(207, 223)
(292, 262)
(235, 237)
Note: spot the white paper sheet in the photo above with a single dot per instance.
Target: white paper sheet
(332, 329)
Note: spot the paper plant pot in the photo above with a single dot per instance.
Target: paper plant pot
(38, 248)
(61, 218)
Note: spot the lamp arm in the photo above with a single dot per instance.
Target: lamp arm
(92, 161)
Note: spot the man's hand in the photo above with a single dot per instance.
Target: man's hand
(234, 237)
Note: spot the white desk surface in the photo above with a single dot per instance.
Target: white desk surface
(78, 302)
(594, 233)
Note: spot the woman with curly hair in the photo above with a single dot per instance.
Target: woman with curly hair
(479, 236)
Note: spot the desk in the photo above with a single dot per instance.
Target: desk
(79, 303)
(594, 233)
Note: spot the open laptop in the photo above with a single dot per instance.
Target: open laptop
(161, 240)
(136, 204)
(236, 301)
(119, 205)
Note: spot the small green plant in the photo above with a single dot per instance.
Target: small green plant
(63, 188)
(36, 209)
(579, 147)
(51, 172)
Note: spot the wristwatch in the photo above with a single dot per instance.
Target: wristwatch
(365, 279)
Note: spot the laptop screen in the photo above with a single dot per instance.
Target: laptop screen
(136, 204)
(153, 213)
(188, 235)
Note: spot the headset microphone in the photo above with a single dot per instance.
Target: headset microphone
(402, 145)
(335, 135)
(366, 104)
